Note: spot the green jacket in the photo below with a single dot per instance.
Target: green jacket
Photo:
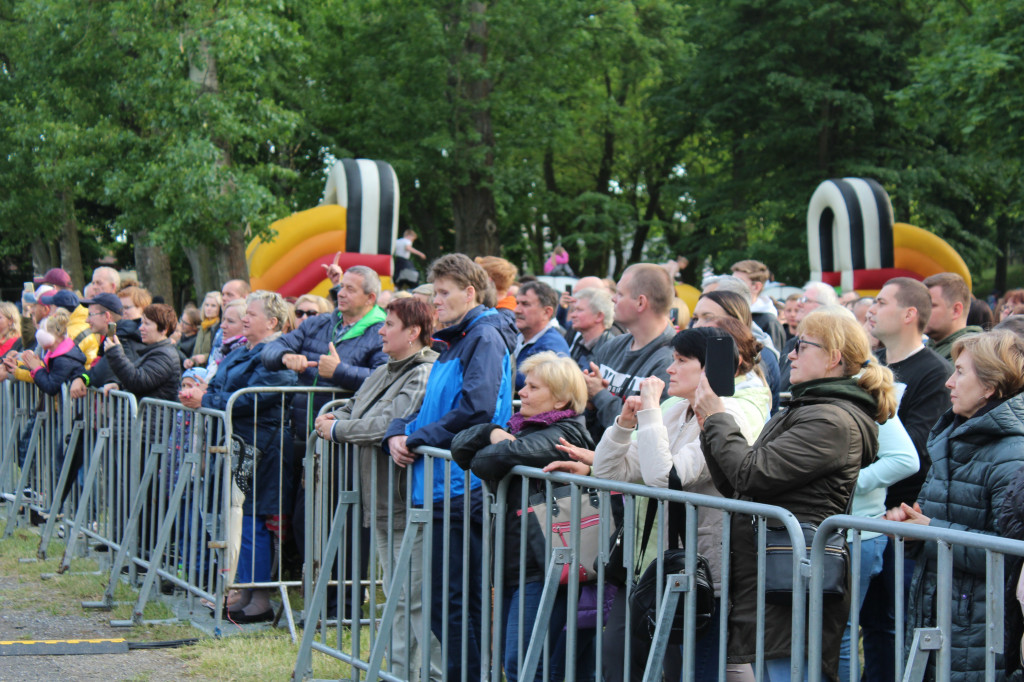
(945, 346)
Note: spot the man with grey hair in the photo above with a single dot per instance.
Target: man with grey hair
(105, 280)
(816, 295)
(592, 315)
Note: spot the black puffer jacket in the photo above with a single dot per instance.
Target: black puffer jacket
(534, 447)
(973, 462)
(156, 373)
(1011, 525)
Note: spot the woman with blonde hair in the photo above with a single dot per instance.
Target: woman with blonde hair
(310, 305)
(977, 449)
(211, 312)
(806, 460)
(553, 397)
(10, 328)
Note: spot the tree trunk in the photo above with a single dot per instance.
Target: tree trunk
(70, 253)
(153, 267)
(43, 256)
(1002, 257)
(228, 259)
(207, 273)
(473, 205)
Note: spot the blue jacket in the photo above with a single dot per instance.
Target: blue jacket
(469, 384)
(61, 366)
(259, 415)
(360, 355)
(550, 339)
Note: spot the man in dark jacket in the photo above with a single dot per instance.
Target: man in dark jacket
(898, 318)
(104, 310)
(340, 351)
(642, 303)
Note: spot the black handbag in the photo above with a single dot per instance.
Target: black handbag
(245, 457)
(778, 565)
(643, 600)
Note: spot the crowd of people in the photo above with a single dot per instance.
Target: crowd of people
(906, 405)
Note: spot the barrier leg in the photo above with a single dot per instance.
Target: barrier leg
(19, 491)
(162, 537)
(127, 543)
(56, 503)
(560, 556)
(677, 584)
(925, 641)
(314, 610)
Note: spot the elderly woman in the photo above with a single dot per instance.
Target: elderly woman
(806, 460)
(976, 449)
(310, 305)
(553, 397)
(393, 390)
(648, 440)
(256, 418)
(155, 372)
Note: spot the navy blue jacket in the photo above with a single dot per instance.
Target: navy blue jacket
(59, 369)
(359, 355)
(550, 339)
(469, 384)
(258, 416)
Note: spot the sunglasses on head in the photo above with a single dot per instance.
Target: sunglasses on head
(306, 313)
(804, 342)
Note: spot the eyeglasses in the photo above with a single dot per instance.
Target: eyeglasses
(306, 313)
(804, 299)
(95, 314)
(805, 342)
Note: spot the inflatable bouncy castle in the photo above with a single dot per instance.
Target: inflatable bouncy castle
(853, 242)
(358, 216)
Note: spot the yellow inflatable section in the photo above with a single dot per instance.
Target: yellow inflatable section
(292, 231)
(920, 251)
(688, 294)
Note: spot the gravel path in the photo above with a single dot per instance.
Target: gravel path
(39, 623)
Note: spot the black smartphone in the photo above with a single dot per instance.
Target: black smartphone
(568, 289)
(673, 315)
(111, 329)
(720, 365)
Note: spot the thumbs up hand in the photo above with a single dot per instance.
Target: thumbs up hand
(328, 363)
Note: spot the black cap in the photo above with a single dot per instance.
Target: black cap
(105, 300)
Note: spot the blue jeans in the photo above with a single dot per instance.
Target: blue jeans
(454, 597)
(778, 670)
(556, 640)
(871, 558)
(877, 617)
(705, 664)
(257, 551)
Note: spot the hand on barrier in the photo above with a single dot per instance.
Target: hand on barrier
(107, 388)
(499, 434)
(328, 363)
(78, 388)
(399, 452)
(582, 455)
(324, 424)
(578, 468)
(192, 398)
(907, 514)
(595, 384)
(333, 271)
(297, 362)
(705, 401)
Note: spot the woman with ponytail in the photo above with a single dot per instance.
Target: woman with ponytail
(806, 460)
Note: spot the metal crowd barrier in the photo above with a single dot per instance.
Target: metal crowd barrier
(33, 456)
(531, 653)
(926, 643)
(274, 404)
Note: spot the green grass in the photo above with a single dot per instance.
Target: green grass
(263, 654)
